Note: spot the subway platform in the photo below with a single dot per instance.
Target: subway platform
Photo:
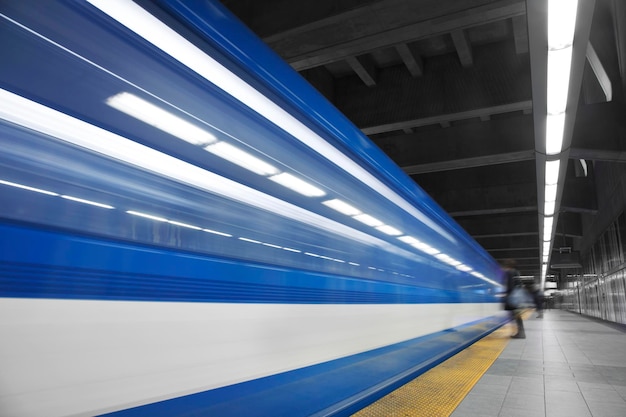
(568, 366)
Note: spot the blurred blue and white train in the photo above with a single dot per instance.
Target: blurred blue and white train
(188, 228)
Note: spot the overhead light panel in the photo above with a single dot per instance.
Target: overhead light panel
(561, 22)
(559, 68)
(547, 234)
(546, 248)
(555, 125)
(550, 192)
(242, 158)
(552, 171)
(160, 118)
(296, 184)
(342, 207)
(548, 222)
(548, 209)
(409, 239)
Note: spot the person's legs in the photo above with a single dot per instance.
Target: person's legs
(520, 325)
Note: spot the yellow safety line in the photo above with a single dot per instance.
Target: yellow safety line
(437, 392)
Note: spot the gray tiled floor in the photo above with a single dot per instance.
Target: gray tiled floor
(568, 366)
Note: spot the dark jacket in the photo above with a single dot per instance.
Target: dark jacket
(512, 280)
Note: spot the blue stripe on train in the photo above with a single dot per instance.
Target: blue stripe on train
(36, 263)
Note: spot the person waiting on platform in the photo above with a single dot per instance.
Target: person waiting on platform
(513, 281)
(539, 298)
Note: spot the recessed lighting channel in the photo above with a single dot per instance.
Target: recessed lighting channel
(561, 29)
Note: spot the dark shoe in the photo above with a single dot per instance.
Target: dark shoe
(518, 336)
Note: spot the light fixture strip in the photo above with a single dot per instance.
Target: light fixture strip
(552, 171)
(50, 122)
(160, 118)
(296, 184)
(138, 20)
(26, 187)
(561, 29)
(242, 158)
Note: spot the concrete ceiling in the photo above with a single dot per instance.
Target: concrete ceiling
(452, 91)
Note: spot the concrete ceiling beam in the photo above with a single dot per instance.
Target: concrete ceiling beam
(446, 119)
(463, 47)
(364, 68)
(411, 59)
(357, 31)
(520, 34)
(524, 224)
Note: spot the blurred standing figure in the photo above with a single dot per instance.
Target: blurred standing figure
(513, 280)
(538, 296)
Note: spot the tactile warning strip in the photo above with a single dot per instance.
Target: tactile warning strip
(437, 392)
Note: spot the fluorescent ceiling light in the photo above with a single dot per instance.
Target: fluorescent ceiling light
(559, 66)
(561, 22)
(555, 124)
(54, 124)
(552, 171)
(550, 192)
(547, 235)
(342, 207)
(391, 231)
(163, 37)
(548, 222)
(545, 258)
(464, 268)
(546, 248)
(26, 187)
(549, 208)
(91, 203)
(161, 119)
(296, 184)
(368, 220)
(189, 226)
(354, 264)
(147, 216)
(315, 255)
(443, 256)
(241, 158)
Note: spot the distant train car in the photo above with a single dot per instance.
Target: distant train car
(188, 228)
